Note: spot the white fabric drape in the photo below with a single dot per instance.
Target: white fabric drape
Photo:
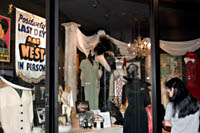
(176, 48)
(87, 43)
(180, 48)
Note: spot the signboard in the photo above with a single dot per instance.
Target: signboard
(30, 44)
(4, 39)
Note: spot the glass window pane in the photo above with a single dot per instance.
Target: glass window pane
(98, 55)
(22, 66)
(179, 56)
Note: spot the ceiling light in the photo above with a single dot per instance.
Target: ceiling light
(139, 47)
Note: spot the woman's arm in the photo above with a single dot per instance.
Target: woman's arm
(167, 123)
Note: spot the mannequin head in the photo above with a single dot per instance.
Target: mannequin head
(67, 89)
(60, 90)
(132, 71)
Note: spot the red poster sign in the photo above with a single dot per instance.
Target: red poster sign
(4, 39)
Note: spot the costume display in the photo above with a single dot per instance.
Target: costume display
(113, 77)
(67, 101)
(135, 118)
(104, 51)
(89, 79)
(16, 108)
(193, 74)
(116, 84)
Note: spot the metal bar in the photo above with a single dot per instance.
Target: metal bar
(51, 98)
(155, 64)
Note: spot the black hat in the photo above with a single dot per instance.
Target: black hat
(4, 24)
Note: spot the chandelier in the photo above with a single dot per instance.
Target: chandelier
(139, 47)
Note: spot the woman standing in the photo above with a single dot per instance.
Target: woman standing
(135, 90)
(182, 113)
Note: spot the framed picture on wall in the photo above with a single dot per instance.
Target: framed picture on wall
(62, 119)
(138, 64)
(170, 66)
(4, 39)
(40, 115)
(39, 93)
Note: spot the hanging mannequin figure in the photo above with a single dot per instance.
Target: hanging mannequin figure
(105, 52)
(16, 105)
(135, 90)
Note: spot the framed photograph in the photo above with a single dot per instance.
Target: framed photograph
(40, 115)
(138, 64)
(107, 118)
(39, 93)
(82, 106)
(62, 119)
(5, 26)
(86, 118)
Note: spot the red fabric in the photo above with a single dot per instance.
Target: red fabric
(193, 75)
(191, 55)
(124, 62)
(149, 115)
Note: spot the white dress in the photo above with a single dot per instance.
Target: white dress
(16, 113)
(67, 101)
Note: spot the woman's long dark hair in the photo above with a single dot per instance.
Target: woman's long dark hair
(182, 100)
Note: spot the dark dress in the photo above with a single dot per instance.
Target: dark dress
(135, 118)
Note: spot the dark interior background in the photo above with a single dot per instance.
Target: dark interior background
(179, 19)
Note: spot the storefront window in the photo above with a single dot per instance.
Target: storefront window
(179, 59)
(103, 72)
(22, 69)
(179, 68)
(63, 71)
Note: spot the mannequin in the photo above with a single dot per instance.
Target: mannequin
(89, 80)
(16, 107)
(192, 63)
(60, 91)
(116, 83)
(67, 101)
(114, 76)
(136, 91)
